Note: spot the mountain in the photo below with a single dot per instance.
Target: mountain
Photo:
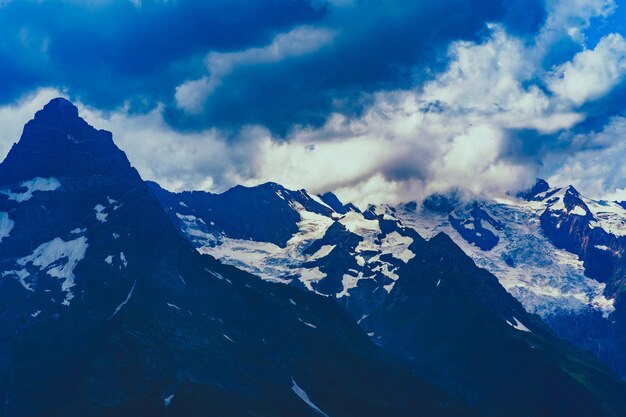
(451, 322)
(107, 310)
(297, 238)
(558, 252)
(454, 324)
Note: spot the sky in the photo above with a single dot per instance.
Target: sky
(378, 101)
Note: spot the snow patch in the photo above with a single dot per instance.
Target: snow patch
(398, 246)
(307, 323)
(322, 252)
(358, 224)
(312, 226)
(304, 397)
(100, 214)
(548, 281)
(123, 303)
(309, 276)
(36, 184)
(517, 325)
(21, 276)
(608, 215)
(319, 201)
(578, 211)
(6, 225)
(58, 258)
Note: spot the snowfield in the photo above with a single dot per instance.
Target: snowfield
(31, 186)
(57, 258)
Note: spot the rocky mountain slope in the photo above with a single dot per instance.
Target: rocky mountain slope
(450, 321)
(108, 311)
(557, 252)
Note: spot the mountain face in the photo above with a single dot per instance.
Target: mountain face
(455, 325)
(557, 252)
(108, 311)
(451, 322)
(296, 238)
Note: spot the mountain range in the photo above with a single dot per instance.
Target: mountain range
(121, 298)
(557, 252)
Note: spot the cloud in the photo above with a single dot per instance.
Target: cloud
(360, 97)
(597, 165)
(107, 53)
(14, 116)
(191, 95)
(592, 72)
(206, 160)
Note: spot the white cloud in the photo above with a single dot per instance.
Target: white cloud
(592, 72)
(14, 116)
(191, 95)
(205, 160)
(570, 18)
(488, 80)
(454, 131)
(597, 166)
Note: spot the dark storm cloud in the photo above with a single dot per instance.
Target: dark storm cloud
(108, 52)
(379, 45)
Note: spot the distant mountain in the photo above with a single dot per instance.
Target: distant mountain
(108, 311)
(424, 301)
(295, 237)
(559, 253)
(455, 325)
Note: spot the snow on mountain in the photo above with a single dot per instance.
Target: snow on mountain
(534, 243)
(58, 259)
(6, 225)
(27, 188)
(502, 234)
(108, 311)
(328, 252)
(559, 253)
(545, 279)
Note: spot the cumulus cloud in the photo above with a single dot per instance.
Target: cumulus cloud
(365, 111)
(14, 116)
(155, 54)
(206, 160)
(597, 165)
(592, 73)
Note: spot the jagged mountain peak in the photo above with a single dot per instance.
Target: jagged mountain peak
(57, 142)
(61, 116)
(107, 310)
(333, 201)
(571, 190)
(540, 186)
(57, 109)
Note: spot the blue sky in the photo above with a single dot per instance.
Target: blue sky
(378, 100)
